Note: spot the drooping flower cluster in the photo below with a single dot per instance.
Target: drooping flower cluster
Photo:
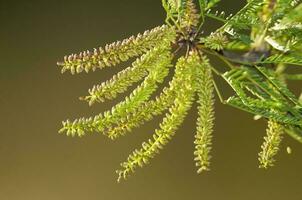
(257, 76)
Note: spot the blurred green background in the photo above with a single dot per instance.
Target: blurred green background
(36, 163)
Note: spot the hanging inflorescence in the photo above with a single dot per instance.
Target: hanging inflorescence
(256, 44)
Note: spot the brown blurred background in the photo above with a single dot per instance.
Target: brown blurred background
(36, 163)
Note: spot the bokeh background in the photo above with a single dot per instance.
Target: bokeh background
(37, 163)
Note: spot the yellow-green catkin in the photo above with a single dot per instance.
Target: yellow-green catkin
(205, 121)
(270, 147)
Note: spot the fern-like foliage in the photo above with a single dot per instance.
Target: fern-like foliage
(257, 45)
(284, 58)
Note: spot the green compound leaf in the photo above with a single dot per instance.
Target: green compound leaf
(283, 58)
(271, 76)
(292, 15)
(269, 98)
(244, 18)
